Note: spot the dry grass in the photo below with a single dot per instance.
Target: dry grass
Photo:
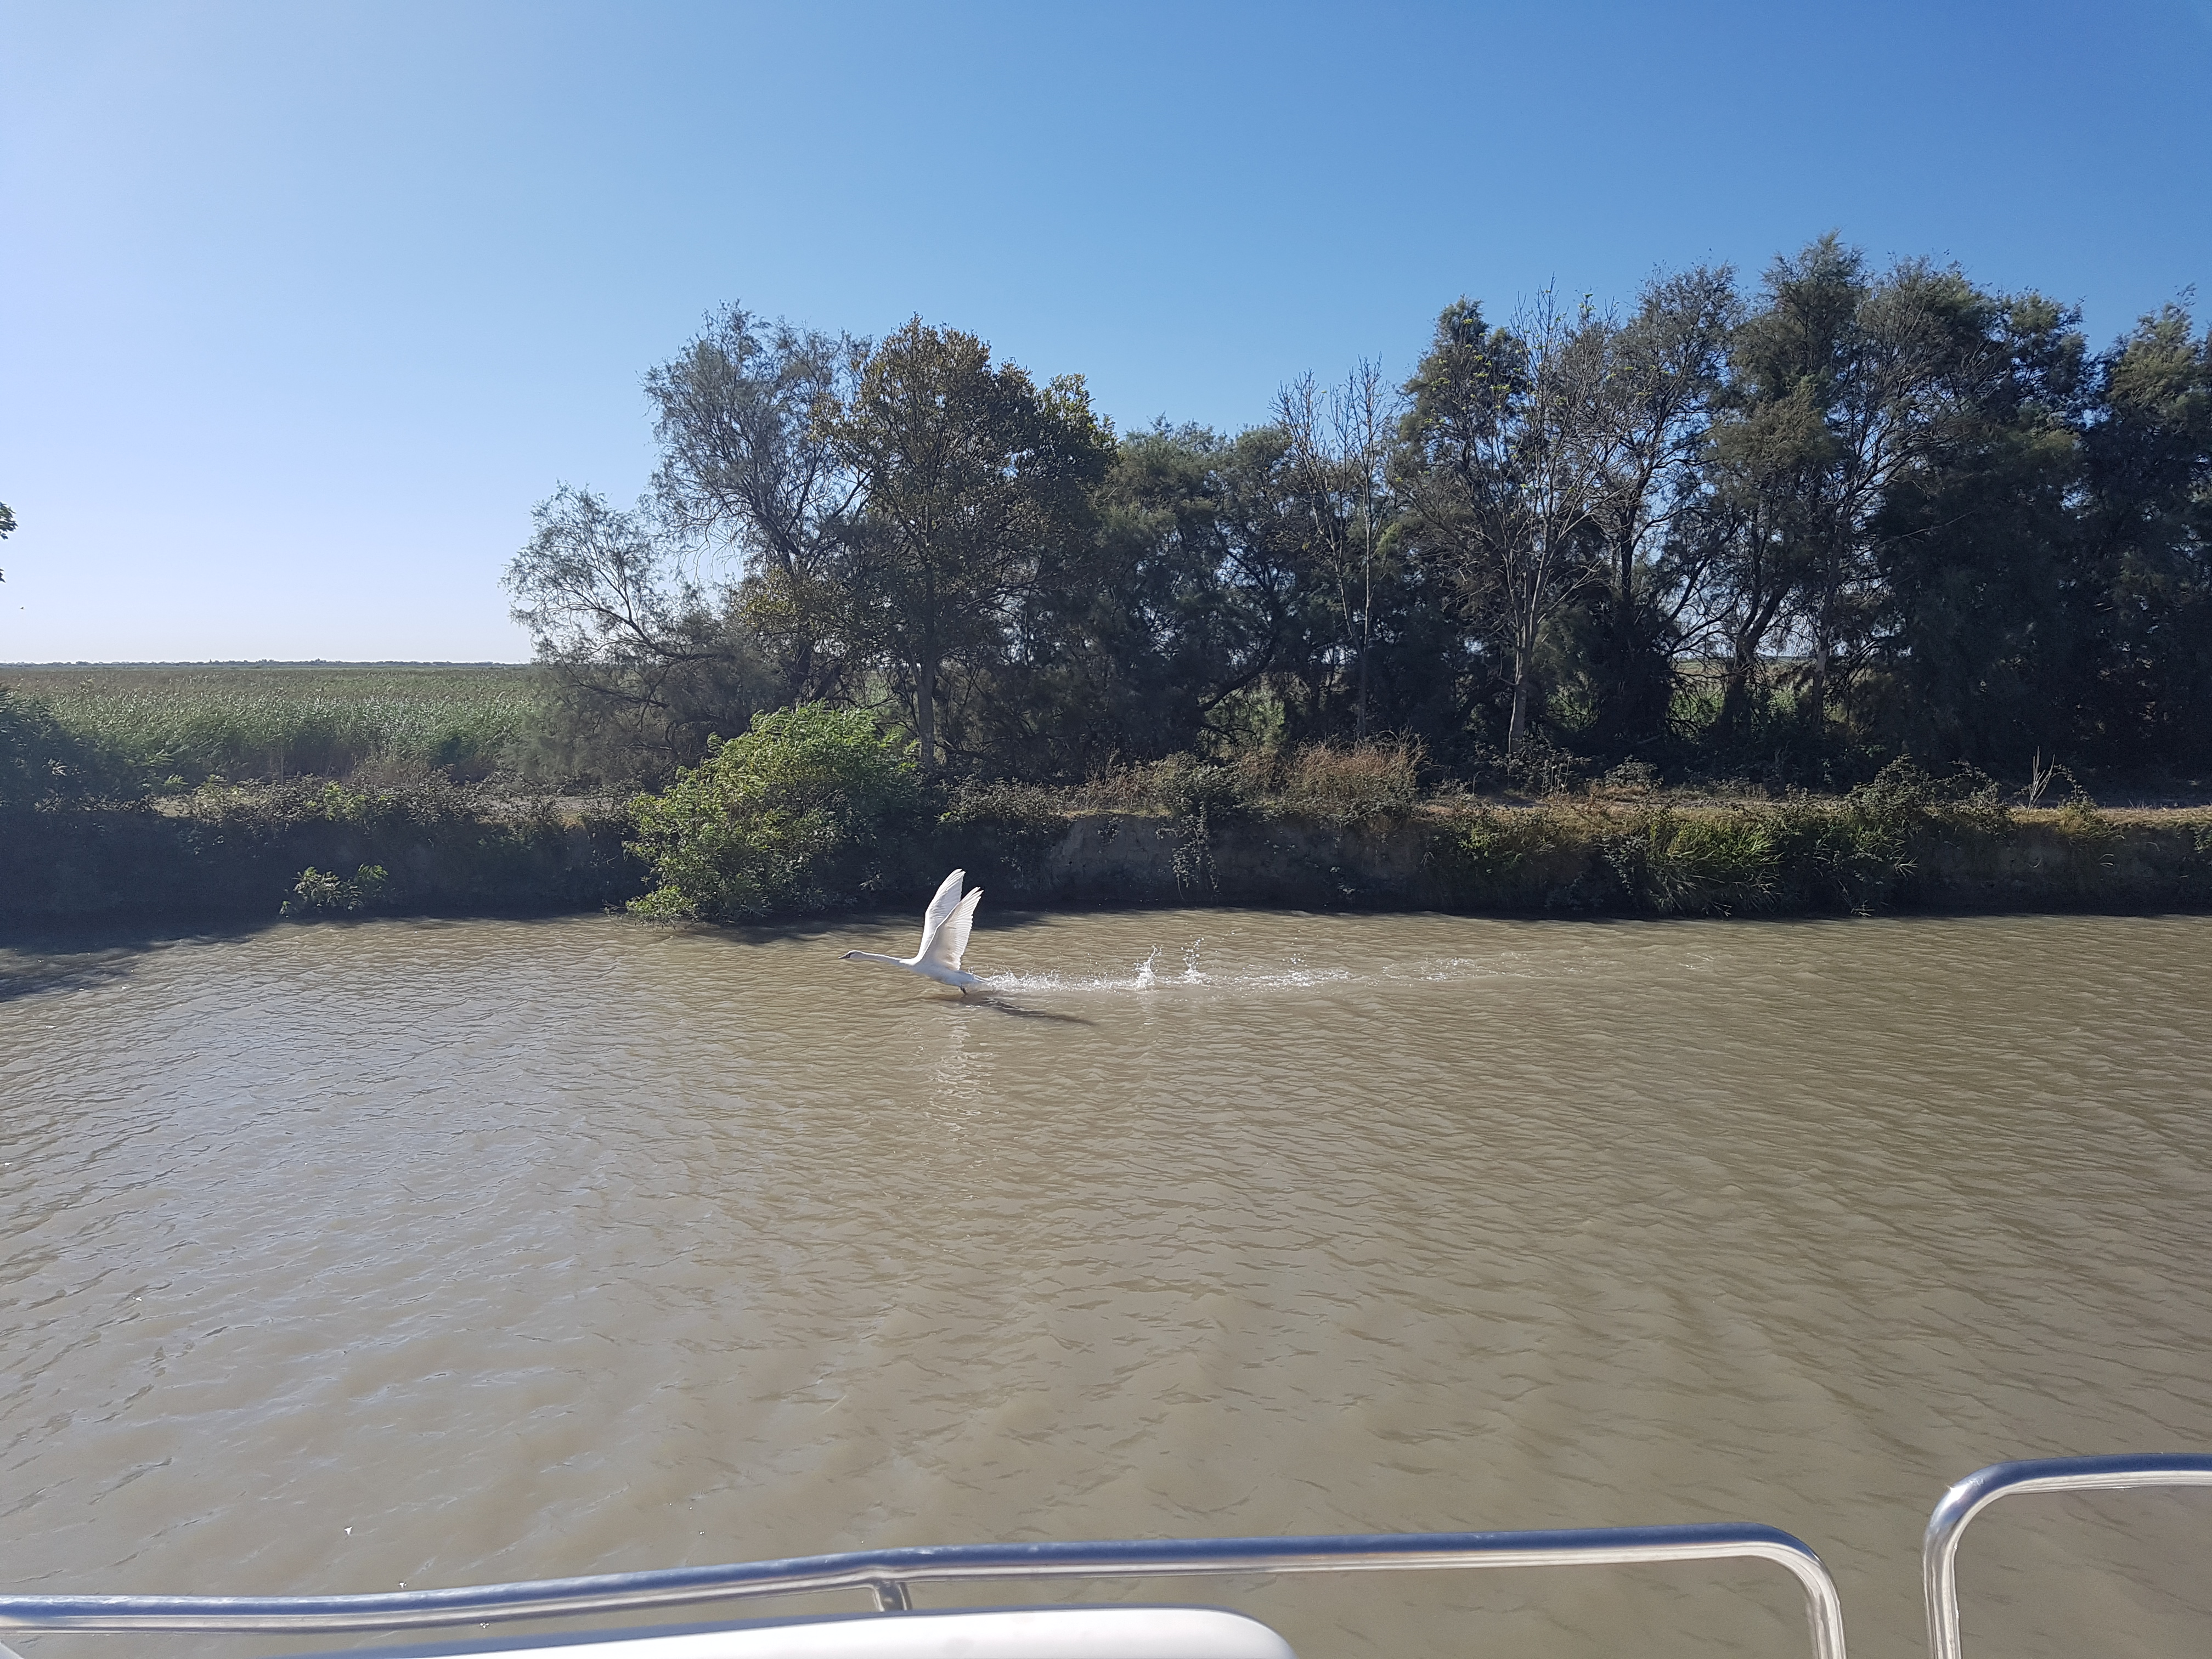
(1340, 783)
(1351, 783)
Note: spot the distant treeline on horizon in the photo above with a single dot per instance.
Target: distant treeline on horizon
(1778, 533)
(1782, 531)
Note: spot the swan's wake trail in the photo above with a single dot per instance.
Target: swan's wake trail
(1147, 977)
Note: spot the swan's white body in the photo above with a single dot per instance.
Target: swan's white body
(944, 928)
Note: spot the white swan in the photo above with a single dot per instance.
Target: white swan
(944, 928)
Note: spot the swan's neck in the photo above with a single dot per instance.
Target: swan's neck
(870, 955)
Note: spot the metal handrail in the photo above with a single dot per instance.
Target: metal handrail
(1939, 1550)
(888, 1573)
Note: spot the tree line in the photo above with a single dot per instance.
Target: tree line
(1781, 532)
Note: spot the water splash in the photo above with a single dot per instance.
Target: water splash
(1148, 978)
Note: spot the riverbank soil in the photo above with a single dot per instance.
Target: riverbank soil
(248, 853)
(243, 854)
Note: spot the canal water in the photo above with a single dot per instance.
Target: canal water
(342, 1256)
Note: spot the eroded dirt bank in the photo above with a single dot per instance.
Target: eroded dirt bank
(1570, 858)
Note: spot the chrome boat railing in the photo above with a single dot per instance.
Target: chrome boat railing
(1939, 1550)
(891, 1574)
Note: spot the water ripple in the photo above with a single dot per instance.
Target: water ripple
(526, 1248)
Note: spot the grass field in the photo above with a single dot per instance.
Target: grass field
(196, 720)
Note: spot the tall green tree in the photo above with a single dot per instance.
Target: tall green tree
(1498, 468)
(1841, 378)
(1978, 549)
(649, 619)
(971, 477)
(1655, 378)
(1738, 551)
(648, 662)
(1919, 508)
(2149, 541)
(747, 471)
(1157, 633)
(1337, 449)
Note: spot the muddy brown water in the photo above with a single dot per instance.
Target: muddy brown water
(338, 1257)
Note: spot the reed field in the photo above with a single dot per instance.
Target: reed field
(194, 722)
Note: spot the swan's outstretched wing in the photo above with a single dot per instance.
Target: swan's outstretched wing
(948, 897)
(950, 942)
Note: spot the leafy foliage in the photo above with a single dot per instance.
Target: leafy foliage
(1785, 531)
(1796, 855)
(789, 818)
(317, 893)
(40, 756)
(973, 478)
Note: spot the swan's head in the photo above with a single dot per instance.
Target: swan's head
(848, 956)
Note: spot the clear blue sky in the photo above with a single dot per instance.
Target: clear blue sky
(303, 306)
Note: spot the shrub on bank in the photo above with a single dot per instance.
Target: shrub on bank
(40, 758)
(316, 891)
(29, 737)
(1352, 783)
(793, 817)
(1336, 783)
(1801, 855)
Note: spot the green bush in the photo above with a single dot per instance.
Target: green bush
(1186, 787)
(1508, 860)
(1845, 856)
(1183, 786)
(315, 891)
(1714, 864)
(1794, 856)
(790, 817)
(1905, 796)
(38, 758)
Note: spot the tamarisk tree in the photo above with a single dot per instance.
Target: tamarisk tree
(970, 475)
